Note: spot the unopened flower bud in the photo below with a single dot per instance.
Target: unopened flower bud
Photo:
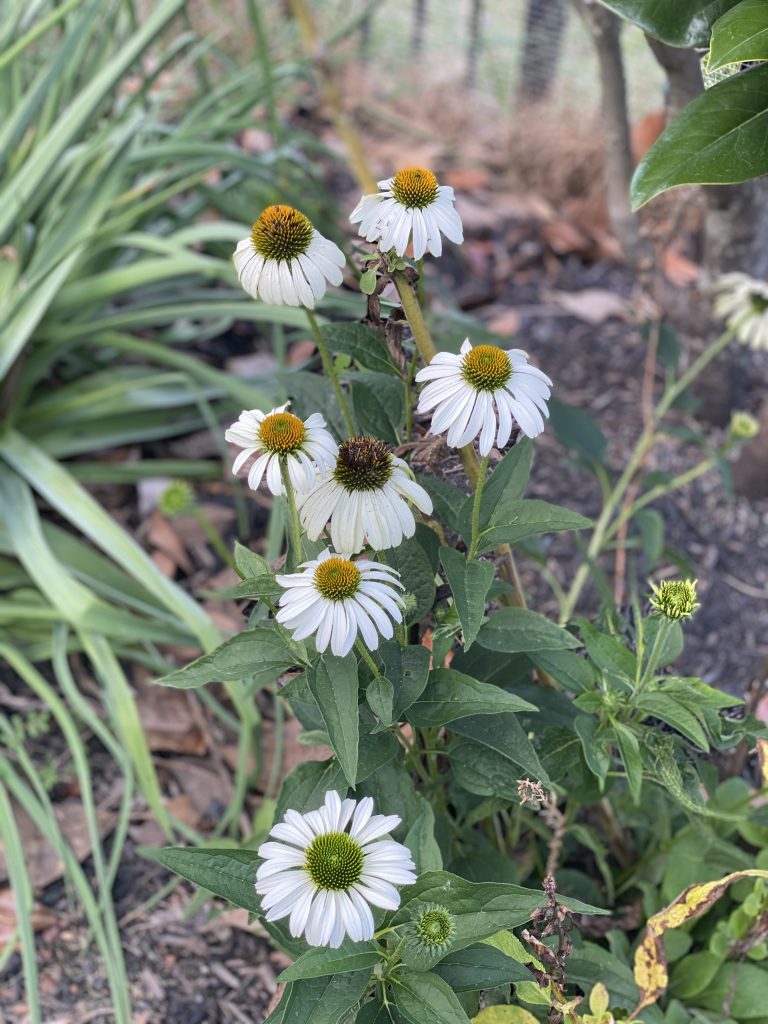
(674, 599)
(177, 499)
(743, 426)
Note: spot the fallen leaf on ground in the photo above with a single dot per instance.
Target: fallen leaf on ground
(169, 720)
(209, 791)
(41, 917)
(504, 321)
(565, 238)
(593, 305)
(42, 862)
(679, 269)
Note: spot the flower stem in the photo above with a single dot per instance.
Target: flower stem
(479, 488)
(658, 646)
(214, 537)
(603, 526)
(330, 372)
(367, 658)
(296, 552)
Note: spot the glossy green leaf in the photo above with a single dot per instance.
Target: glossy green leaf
(507, 482)
(480, 967)
(577, 430)
(320, 1000)
(741, 34)
(450, 695)
(380, 695)
(305, 787)
(422, 843)
(260, 653)
(606, 651)
(230, 874)
(671, 711)
(503, 734)
(678, 22)
(519, 630)
(379, 405)
(469, 583)
(407, 668)
(334, 685)
(424, 998)
(629, 749)
(416, 574)
(567, 668)
(720, 138)
(513, 521)
(323, 961)
(366, 346)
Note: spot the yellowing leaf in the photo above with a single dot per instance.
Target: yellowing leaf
(599, 999)
(762, 757)
(504, 1015)
(651, 974)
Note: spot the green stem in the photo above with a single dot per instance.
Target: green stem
(296, 553)
(214, 537)
(330, 371)
(408, 376)
(362, 650)
(480, 487)
(420, 283)
(644, 444)
(415, 317)
(658, 492)
(658, 646)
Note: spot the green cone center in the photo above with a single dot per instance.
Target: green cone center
(335, 861)
(435, 926)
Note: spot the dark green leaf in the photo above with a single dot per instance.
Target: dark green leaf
(507, 482)
(469, 583)
(629, 749)
(513, 521)
(426, 999)
(577, 430)
(416, 574)
(379, 405)
(407, 668)
(320, 1000)
(264, 585)
(448, 500)
(740, 986)
(671, 711)
(450, 695)
(422, 843)
(483, 771)
(376, 748)
(393, 793)
(261, 653)
(480, 967)
(721, 137)
(503, 733)
(479, 909)
(230, 874)
(607, 652)
(323, 961)
(741, 34)
(519, 630)
(334, 685)
(570, 670)
(650, 523)
(375, 1012)
(248, 563)
(305, 787)
(593, 746)
(366, 346)
(678, 22)
(380, 695)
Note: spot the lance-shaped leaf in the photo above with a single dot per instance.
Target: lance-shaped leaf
(469, 583)
(334, 684)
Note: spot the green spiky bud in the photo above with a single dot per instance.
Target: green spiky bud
(674, 599)
(177, 499)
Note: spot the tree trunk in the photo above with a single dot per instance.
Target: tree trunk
(544, 25)
(604, 28)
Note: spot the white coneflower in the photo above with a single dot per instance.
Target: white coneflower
(411, 204)
(743, 304)
(468, 390)
(365, 498)
(307, 446)
(327, 869)
(285, 261)
(335, 598)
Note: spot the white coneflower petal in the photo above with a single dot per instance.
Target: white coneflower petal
(480, 391)
(333, 599)
(411, 206)
(306, 446)
(286, 261)
(743, 303)
(327, 867)
(366, 498)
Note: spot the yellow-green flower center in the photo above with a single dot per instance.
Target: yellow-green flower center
(486, 368)
(434, 926)
(363, 464)
(281, 233)
(337, 578)
(282, 432)
(758, 301)
(334, 861)
(415, 187)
